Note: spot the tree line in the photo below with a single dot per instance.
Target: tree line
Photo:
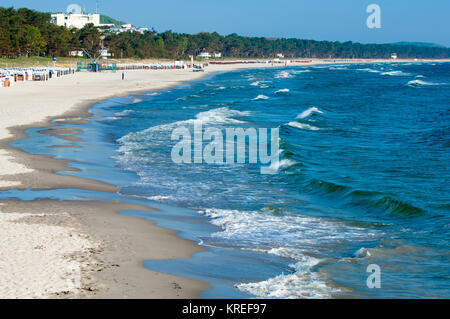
(25, 32)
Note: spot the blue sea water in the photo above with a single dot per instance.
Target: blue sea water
(363, 178)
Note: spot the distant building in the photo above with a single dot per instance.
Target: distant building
(204, 54)
(217, 55)
(104, 53)
(76, 53)
(77, 20)
(280, 55)
(394, 56)
(126, 28)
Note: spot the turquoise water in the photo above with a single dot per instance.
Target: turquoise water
(363, 178)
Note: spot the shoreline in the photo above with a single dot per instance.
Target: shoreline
(108, 270)
(103, 250)
(24, 171)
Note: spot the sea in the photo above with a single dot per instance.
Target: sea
(363, 178)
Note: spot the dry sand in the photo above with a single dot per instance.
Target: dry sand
(46, 245)
(86, 249)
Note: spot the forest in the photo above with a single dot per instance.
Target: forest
(25, 32)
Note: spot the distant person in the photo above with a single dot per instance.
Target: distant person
(123, 75)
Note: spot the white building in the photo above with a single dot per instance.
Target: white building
(127, 28)
(394, 56)
(280, 55)
(217, 54)
(105, 54)
(204, 54)
(77, 20)
(76, 53)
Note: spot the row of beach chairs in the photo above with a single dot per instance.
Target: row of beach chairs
(10, 76)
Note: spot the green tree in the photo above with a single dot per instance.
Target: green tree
(33, 41)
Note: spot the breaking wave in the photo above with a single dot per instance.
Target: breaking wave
(396, 73)
(308, 112)
(420, 83)
(260, 97)
(283, 75)
(287, 236)
(303, 126)
(221, 115)
(282, 91)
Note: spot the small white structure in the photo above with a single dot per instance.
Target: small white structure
(104, 53)
(280, 55)
(217, 55)
(204, 54)
(394, 56)
(76, 53)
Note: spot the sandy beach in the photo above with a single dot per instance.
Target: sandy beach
(46, 245)
(41, 240)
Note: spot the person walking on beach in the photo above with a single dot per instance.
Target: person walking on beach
(123, 76)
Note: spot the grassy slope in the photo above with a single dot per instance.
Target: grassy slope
(109, 20)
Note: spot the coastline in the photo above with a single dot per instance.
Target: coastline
(96, 235)
(110, 267)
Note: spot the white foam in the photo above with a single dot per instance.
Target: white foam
(266, 229)
(260, 97)
(261, 84)
(184, 98)
(303, 126)
(300, 71)
(159, 198)
(136, 100)
(287, 236)
(303, 283)
(123, 113)
(282, 91)
(283, 75)
(418, 83)
(308, 112)
(222, 115)
(396, 73)
(112, 118)
(368, 70)
(281, 164)
(195, 107)
(363, 252)
(338, 68)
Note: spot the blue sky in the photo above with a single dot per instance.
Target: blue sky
(340, 20)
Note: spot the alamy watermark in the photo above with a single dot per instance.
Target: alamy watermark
(374, 279)
(212, 147)
(374, 19)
